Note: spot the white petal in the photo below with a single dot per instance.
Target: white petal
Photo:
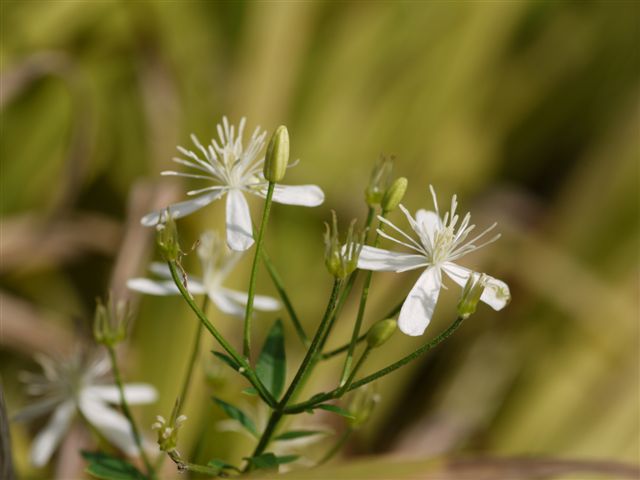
(163, 287)
(429, 223)
(160, 269)
(182, 209)
(303, 195)
(226, 304)
(372, 258)
(36, 409)
(135, 393)
(47, 440)
(260, 302)
(151, 287)
(417, 309)
(114, 426)
(239, 229)
(496, 294)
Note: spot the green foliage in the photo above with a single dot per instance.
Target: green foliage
(270, 461)
(335, 409)
(272, 367)
(107, 467)
(227, 360)
(293, 434)
(237, 414)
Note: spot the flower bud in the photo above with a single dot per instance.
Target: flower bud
(394, 194)
(167, 237)
(379, 181)
(471, 294)
(342, 260)
(360, 404)
(277, 157)
(110, 322)
(380, 332)
(168, 432)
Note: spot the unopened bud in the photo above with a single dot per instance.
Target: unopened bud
(167, 237)
(361, 404)
(380, 332)
(394, 194)
(379, 181)
(110, 322)
(342, 260)
(277, 157)
(471, 294)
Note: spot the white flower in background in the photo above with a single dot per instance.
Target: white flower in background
(217, 261)
(441, 241)
(235, 170)
(78, 385)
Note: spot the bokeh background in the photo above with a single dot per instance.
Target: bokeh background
(528, 110)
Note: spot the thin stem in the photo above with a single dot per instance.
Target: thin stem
(127, 412)
(361, 338)
(193, 467)
(249, 373)
(361, 308)
(246, 344)
(308, 360)
(316, 400)
(355, 370)
(277, 282)
(195, 350)
(314, 344)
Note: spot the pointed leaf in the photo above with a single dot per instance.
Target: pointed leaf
(335, 409)
(222, 465)
(250, 391)
(298, 434)
(227, 359)
(107, 467)
(271, 367)
(269, 460)
(237, 414)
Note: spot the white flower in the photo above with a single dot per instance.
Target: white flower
(234, 170)
(441, 241)
(217, 262)
(77, 385)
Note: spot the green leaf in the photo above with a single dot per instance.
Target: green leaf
(335, 409)
(268, 461)
(221, 465)
(106, 467)
(272, 367)
(250, 391)
(298, 434)
(227, 359)
(237, 414)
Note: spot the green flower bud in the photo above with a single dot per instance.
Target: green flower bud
(394, 194)
(110, 322)
(379, 181)
(360, 404)
(167, 237)
(277, 157)
(471, 294)
(342, 260)
(168, 432)
(380, 332)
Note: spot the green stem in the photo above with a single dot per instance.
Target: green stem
(361, 338)
(249, 373)
(361, 308)
(277, 282)
(280, 408)
(127, 412)
(195, 350)
(246, 344)
(355, 370)
(303, 406)
(193, 467)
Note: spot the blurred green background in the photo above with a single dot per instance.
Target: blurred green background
(528, 110)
